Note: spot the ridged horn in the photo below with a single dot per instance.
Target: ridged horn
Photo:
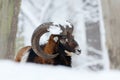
(40, 30)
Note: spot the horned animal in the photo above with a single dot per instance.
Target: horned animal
(57, 51)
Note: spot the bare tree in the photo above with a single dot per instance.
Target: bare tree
(112, 26)
(9, 10)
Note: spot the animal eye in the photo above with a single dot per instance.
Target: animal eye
(63, 37)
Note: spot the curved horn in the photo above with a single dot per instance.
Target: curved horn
(35, 40)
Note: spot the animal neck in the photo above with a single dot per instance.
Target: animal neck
(50, 47)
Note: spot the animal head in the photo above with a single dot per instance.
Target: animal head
(68, 39)
(65, 38)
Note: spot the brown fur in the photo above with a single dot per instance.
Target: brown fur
(49, 48)
(21, 52)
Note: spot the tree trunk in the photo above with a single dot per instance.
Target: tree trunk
(111, 9)
(9, 10)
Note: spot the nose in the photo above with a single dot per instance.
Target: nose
(78, 51)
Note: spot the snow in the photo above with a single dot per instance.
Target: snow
(103, 39)
(49, 10)
(63, 23)
(91, 10)
(33, 13)
(78, 12)
(10, 70)
(54, 30)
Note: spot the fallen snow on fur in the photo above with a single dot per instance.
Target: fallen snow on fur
(63, 23)
(15, 71)
(54, 30)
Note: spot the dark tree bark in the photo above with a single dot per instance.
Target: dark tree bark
(9, 10)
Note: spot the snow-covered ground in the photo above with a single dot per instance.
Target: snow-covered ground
(14, 71)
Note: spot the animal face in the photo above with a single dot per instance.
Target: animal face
(69, 42)
(65, 38)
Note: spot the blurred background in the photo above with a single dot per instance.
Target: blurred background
(96, 24)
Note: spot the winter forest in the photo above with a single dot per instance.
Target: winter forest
(96, 31)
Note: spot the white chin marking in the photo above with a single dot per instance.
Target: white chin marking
(55, 39)
(68, 53)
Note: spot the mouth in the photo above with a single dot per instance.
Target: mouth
(77, 52)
